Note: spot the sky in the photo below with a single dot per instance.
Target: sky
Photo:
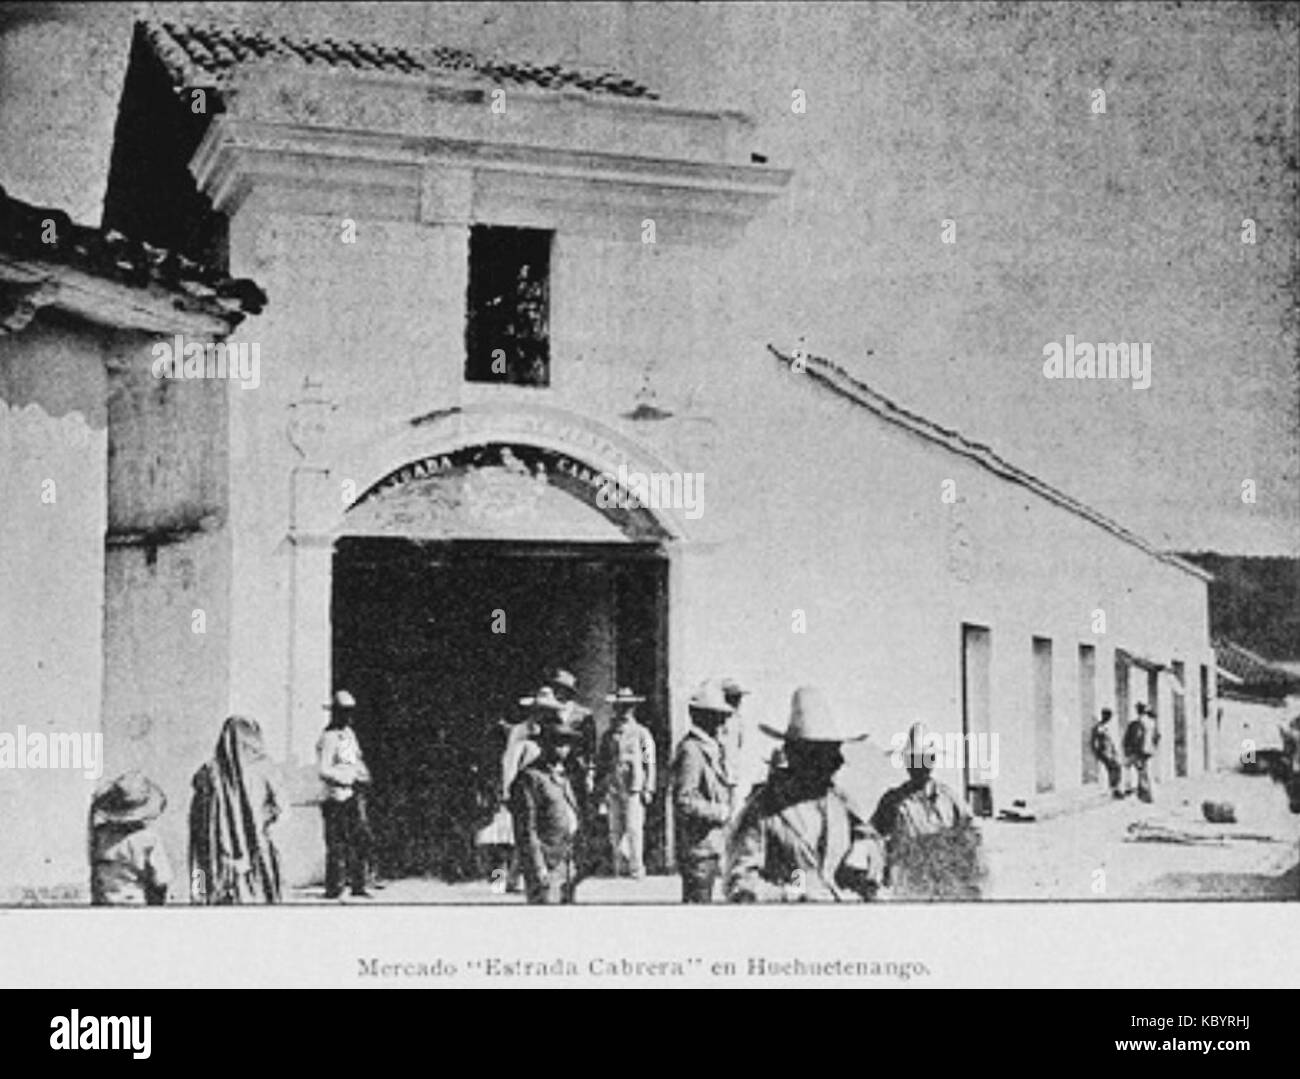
(1122, 225)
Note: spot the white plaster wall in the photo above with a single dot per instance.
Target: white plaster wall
(832, 511)
(811, 502)
(52, 428)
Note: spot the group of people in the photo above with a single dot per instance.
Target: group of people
(236, 801)
(557, 778)
(800, 836)
(797, 837)
(1140, 741)
(232, 858)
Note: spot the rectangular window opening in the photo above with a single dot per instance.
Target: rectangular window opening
(507, 326)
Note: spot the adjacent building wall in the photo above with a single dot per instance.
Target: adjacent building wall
(840, 515)
(52, 487)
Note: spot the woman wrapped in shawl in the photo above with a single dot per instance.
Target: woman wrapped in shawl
(232, 858)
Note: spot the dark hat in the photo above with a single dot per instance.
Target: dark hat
(560, 725)
(129, 798)
(624, 696)
(733, 690)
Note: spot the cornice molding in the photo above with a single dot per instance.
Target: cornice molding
(459, 167)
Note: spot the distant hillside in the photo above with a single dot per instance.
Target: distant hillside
(1255, 602)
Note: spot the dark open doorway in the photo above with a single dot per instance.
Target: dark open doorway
(438, 640)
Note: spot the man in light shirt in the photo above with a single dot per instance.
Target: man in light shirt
(625, 781)
(343, 771)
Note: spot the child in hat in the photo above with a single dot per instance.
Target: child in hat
(128, 866)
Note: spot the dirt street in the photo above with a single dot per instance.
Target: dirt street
(1086, 852)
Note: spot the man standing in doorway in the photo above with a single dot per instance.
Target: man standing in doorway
(702, 795)
(345, 775)
(545, 810)
(1103, 748)
(581, 767)
(625, 781)
(564, 684)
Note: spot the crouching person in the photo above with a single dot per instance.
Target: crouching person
(128, 866)
(799, 838)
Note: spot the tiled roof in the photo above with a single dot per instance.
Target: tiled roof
(840, 381)
(1252, 668)
(108, 254)
(206, 55)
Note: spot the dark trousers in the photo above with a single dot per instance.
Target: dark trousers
(365, 835)
(1114, 773)
(1143, 766)
(699, 875)
(345, 854)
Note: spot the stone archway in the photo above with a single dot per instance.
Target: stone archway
(459, 488)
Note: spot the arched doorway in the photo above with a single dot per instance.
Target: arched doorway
(459, 580)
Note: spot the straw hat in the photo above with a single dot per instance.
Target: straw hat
(565, 681)
(544, 700)
(708, 697)
(623, 696)
(917, 753)
(129, 798)
(811, 720)
(341, 699)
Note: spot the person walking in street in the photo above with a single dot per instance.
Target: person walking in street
(343, 772)
(545, 809)
(625, 781)
(702, 795)
(799, 838)
(1141, 739)
(931, 842)
(128, 865)
(232, 856)
(1103, 746)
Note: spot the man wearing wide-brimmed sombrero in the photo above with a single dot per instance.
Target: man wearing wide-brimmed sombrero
(800, 838)
(625, 780)
(544, 808)
(128, 866)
